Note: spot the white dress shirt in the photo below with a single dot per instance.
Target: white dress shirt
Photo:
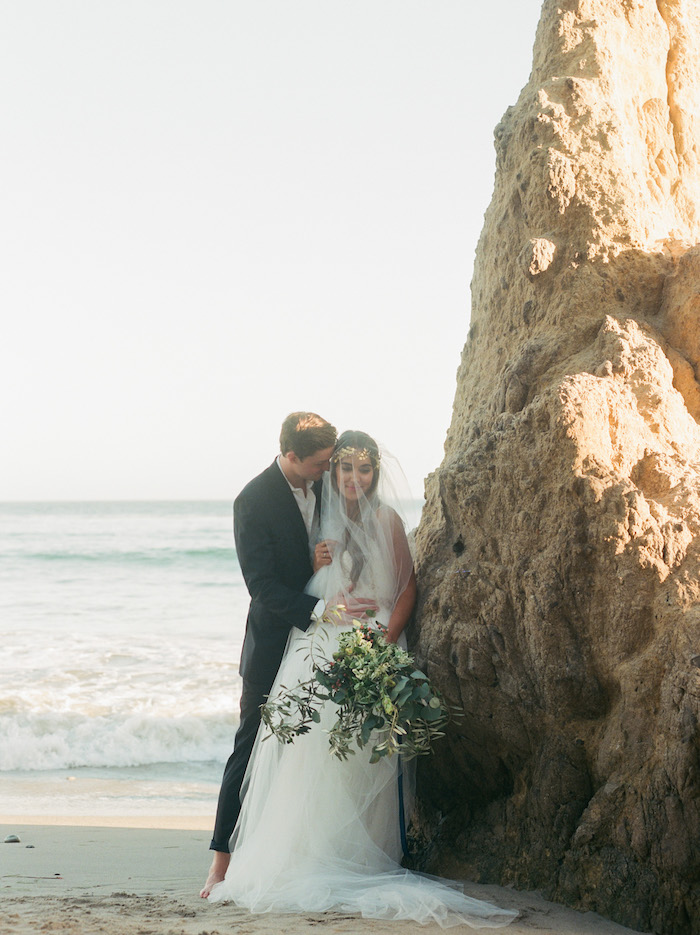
(307, 507)
(306, 501)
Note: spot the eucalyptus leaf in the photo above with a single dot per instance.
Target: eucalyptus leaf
(431, 714)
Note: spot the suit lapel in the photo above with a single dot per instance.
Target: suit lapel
(285, 504)
(318, 487)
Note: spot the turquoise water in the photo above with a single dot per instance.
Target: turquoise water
(121, 627)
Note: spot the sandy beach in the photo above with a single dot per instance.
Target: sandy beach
(84, 876)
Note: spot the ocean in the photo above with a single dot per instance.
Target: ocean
(121, 627)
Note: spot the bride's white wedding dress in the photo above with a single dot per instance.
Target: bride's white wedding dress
(317, 833)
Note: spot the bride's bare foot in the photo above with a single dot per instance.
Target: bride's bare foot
(217, 872)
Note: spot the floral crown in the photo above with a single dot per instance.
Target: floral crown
(350, 451)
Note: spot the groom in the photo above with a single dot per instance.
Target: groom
(275, 518)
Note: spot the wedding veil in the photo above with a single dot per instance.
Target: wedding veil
(371, 557)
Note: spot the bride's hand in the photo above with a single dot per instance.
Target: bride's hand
(323, 554)
(343, 609)
(358, 607)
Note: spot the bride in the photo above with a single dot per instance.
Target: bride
(317, 833)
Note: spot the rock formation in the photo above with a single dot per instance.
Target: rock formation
(558, 554)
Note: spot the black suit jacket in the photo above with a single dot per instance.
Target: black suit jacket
(273, 551)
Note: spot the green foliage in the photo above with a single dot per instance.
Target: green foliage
(382, 699)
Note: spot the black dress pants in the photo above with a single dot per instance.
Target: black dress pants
(252, 696)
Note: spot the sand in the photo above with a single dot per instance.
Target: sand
(142, 876)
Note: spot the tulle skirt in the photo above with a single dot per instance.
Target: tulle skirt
(318, 833)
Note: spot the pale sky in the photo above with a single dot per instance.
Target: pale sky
(219, 211)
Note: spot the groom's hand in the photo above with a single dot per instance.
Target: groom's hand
(323, 554)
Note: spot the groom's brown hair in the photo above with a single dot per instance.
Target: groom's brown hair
(304, 433)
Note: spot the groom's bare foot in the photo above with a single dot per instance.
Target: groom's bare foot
(217, 872)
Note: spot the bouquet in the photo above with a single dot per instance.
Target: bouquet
(381, 697)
